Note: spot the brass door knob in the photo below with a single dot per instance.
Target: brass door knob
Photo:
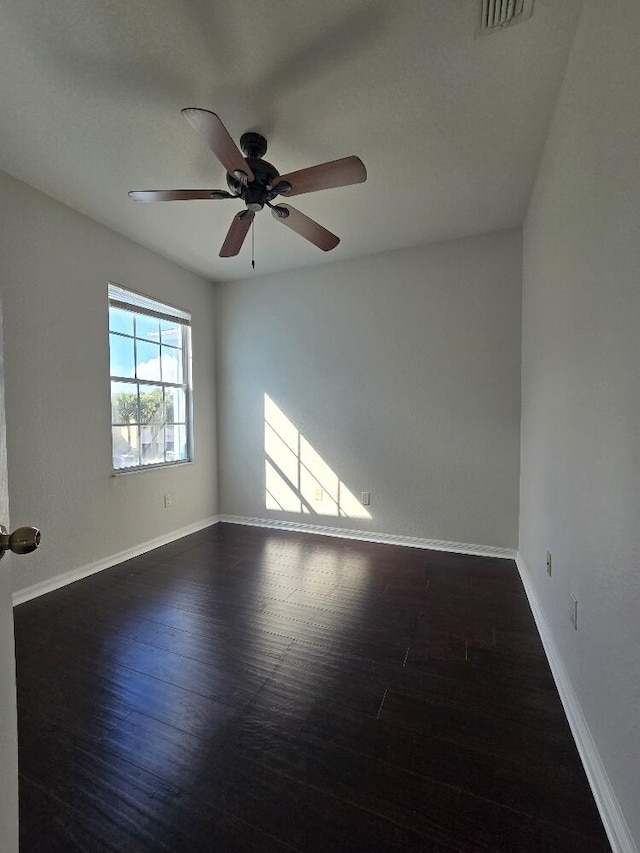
(24, 540)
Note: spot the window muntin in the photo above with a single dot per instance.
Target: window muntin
(150, 350)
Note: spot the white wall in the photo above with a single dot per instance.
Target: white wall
(580, 489)
(402, 370)
(54, 268)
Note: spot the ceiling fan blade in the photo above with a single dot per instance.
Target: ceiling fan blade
(236, 233)
(337, 173)
(217, 137)
(178, 195)
(307, 228)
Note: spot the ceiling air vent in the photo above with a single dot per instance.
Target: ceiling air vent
(499, 14)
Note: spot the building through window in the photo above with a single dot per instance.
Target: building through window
(150, 366)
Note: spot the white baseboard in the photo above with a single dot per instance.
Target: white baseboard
(612, 817)
(58, 581)
(364, 536)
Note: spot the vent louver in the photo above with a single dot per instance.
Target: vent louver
(499, 14)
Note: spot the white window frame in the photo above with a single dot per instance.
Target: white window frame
(137, 303)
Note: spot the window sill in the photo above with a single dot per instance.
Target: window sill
(162, 466)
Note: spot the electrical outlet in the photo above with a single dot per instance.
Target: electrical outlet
(366, 498)
(549, 563)
(168, 500)
(573, 612)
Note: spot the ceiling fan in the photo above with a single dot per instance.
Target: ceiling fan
(257, 183)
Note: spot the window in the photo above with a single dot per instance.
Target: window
(150, 356)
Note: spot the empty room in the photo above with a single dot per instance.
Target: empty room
(320, 515)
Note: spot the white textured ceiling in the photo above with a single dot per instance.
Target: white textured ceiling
(450, 126)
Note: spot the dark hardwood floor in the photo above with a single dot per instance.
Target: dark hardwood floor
(250, 690)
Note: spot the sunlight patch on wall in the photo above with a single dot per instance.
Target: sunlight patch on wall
(297, 478)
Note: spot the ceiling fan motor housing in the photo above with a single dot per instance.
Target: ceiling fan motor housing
(257, 192)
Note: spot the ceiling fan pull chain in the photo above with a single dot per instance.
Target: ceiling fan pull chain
(253, 244)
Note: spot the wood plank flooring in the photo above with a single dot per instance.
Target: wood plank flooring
(253, 690)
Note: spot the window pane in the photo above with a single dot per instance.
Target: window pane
(125, 446)
(147, 327)
(120, 321)
(151, 405)
(149, 415)
(175, 400)
(171, 333)
(171, 364)
(121, 356)
(124, 402)
(148, 356)
(180, 442)
(152, 444)
(169, 443)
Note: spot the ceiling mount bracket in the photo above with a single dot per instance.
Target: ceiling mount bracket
(253, 144)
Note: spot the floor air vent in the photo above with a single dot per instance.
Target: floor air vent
(499, 14)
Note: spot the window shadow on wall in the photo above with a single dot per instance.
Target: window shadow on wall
(297, 479)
